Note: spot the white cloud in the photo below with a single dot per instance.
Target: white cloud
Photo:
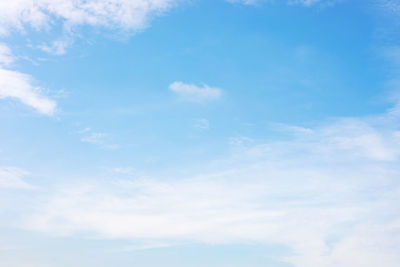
(194, 93)
(246, 2)
(12, 178)
(58, 47)
(127, 15)
(19, 86)
(18, 15)
(6, 56)
(330, 193)
(306, 2)
(95, 138)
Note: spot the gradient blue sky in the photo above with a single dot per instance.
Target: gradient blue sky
(194, 133)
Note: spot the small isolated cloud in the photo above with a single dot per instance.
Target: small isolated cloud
(202, 124)
(19, 86)
(194, 93)
(246, 2)
(323, 3)
(11, 177)
(97, 138)
(305, 2)
(239, 141)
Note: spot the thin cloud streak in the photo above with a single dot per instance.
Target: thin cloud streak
(12, 178)
(19, 86)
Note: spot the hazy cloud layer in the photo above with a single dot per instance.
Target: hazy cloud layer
(11, 177)
(330, 193)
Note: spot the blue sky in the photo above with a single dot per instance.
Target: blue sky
(199, 133)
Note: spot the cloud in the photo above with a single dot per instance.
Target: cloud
(19, 86)
(193, 93)
(94, 138)
(97, 138)
(392, 6)
(306, 2)
(127, 15)
(330, 193)
(202, 124)
(290, 2)
(246, 2)
(11, 177)
(58, 47)
(6, 56)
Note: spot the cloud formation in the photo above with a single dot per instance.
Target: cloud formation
(11, 177)
(21, 15)
(202, 124)
(6, 56)
(290, 2)
(97, 138)
(194, 93)
(19, 86)
(330, 193)
(127, 15)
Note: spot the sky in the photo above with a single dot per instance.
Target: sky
(200, 133)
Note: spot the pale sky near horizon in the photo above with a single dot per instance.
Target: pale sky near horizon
(199, 133)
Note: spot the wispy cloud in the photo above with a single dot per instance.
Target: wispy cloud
(194, 93)
(306, 3)
(6, 56)
(390, 6)
(97, 138)
(19, 86)
(127, 15)
(334, 186)
(202, 124)
(247, 2)
(57, 47)
(11, 177)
